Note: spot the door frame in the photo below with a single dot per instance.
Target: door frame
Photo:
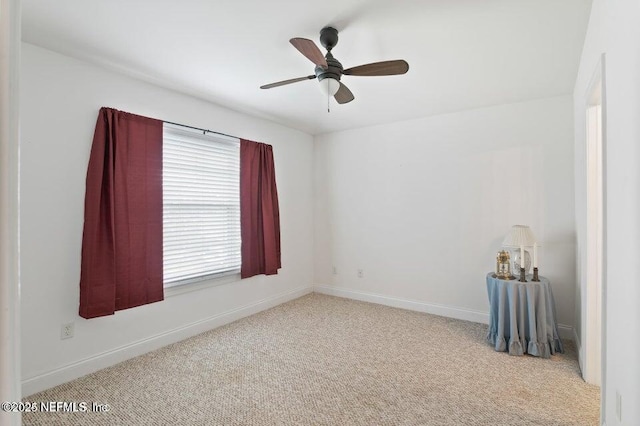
(595, 291)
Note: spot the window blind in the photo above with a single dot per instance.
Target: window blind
(201, 205)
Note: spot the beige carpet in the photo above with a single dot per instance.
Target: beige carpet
(322, 360)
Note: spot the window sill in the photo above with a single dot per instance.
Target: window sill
(201, 283)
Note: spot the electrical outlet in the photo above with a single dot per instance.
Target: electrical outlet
(335, 271)
(360, 273)
(66, 332)
(619, 406)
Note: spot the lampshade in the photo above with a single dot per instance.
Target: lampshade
(519, 235)
(329, 86)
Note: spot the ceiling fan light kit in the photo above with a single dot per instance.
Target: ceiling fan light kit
(329, 86)
(329, 70)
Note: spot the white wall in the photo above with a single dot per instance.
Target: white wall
(422, 206)
(9, 208)
(614, 30)
(60, 101)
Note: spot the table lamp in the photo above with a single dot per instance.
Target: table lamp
(521, 236)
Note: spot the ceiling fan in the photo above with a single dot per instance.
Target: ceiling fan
(329, 70)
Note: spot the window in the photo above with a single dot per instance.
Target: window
(201, 205)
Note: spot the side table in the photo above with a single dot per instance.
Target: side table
(522, 317)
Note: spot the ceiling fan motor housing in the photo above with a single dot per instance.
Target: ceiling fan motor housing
(334, 69)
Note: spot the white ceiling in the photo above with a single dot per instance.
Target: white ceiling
(462, 54)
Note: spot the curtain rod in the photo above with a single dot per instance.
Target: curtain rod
(202, 130)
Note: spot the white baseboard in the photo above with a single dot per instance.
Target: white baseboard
(412, 305)
(578, 343)
(565, 331)
(106, 359)
(576, 339)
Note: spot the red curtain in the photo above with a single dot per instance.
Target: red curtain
(122, 240)
(259, 213)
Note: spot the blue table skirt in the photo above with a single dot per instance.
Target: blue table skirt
(522, 318)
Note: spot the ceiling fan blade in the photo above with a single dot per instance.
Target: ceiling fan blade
(309, 49)
(343, 95)
(379, 68)
(282, 83)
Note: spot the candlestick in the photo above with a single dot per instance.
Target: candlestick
(535, 255)
(522, 257)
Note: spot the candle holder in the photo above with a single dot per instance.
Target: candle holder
(535, 275)
(522, 276)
